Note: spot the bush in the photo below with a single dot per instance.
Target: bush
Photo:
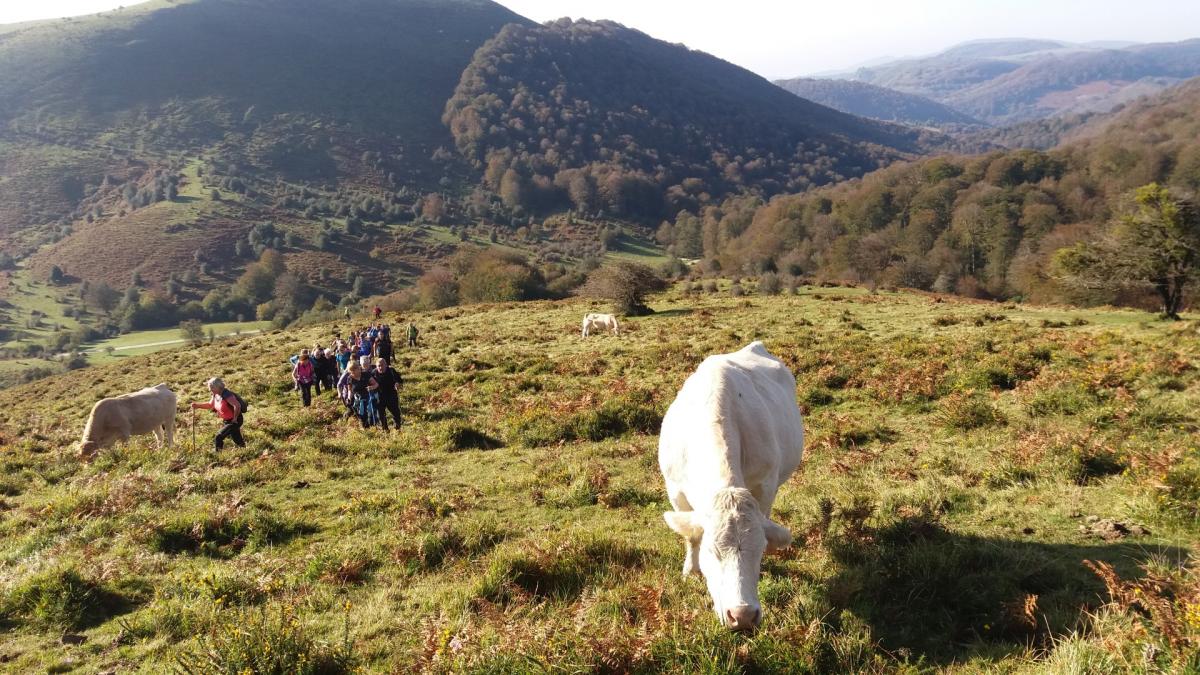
(62, 599)
(967, 410)
(458, 436)
(769, 284)
(626, 284)
(267, 641)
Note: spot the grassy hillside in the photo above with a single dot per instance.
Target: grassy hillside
(963, 461)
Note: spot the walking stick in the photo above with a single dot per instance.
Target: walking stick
(193, 429)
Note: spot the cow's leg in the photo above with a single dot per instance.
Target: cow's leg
(169, 429)
(158, 436)
(691, 553)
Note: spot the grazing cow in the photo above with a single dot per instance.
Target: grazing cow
(600, 322)
(151, 410)
(732, 436)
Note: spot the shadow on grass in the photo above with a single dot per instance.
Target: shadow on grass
(944, 597)
(665, 313)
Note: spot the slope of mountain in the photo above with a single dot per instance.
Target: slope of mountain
(875, 102)
(594, 114)
(1008, 81)
(984, 225)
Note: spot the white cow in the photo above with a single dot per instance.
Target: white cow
(600, 322)
(732, 436)
(151, 410)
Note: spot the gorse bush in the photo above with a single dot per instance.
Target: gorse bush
(267, 641)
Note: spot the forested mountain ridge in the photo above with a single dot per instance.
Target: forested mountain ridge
(585, 114)
(875, 102)
(986, 225)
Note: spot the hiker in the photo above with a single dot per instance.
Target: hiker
(327, 369)
(412, 334)
(364, 400)
(367, 366)
(229, 407)
(347, 312)
(343, 357)
(389, 392)
(378, 312)
(383, 347)
(304, 374)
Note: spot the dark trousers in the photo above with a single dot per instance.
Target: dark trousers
(306, 393)
(317, 384)
(412, 341)
(389, 405)
(231, 430)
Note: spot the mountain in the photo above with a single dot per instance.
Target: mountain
(1009, 81)
(983, 225)
(594, 114)
(875, 102)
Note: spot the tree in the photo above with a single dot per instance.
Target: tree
(192, 331)
(626, 284)
(1156, 247)
(437, 288)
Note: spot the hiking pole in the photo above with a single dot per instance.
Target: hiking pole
(193, 430)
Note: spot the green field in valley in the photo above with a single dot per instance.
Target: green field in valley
(985, 488)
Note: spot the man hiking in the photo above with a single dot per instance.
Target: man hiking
(412, 334)
(388, 380)
(229, 407)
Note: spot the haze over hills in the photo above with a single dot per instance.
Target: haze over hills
(875, 102)
(1007, 81)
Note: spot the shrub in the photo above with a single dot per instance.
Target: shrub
(626, 284)
(967, 410)
(62, 599)
(267, 641)
(223, 536)
(769, 284)
(458, 436)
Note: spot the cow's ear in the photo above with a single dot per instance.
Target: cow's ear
(684, 523)
(778, 536)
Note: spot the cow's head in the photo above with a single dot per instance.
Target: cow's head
(88, 448)
(732, 538)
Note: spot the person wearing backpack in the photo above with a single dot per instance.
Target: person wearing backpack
(363, 394)
(303, 374)
(229, 407)
(412, 334)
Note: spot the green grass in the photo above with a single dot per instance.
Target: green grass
(25, 295)
(514, 524)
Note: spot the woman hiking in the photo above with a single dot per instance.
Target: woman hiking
(229, 408)
(304, 374)
(362, 392)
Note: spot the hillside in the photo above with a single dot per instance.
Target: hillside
(1011, 81)
(880, 103)
(962, 463)
(985, 226)
(596, 115)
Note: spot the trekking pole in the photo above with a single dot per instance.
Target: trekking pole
(193, 429)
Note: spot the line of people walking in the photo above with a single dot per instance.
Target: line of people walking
(359, 369)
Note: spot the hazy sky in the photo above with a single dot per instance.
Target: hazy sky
(785, 38)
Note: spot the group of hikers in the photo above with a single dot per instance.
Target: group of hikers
(358, 367)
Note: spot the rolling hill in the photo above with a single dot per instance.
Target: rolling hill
(589, 114)
(984, 225)
(1009, 81)
(962, 462)
(880, 103)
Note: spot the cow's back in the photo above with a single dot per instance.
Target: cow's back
(738, 409)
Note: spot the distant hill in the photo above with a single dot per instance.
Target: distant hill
(983, 225)
(875, 102)
(594, 114)
(1009, 81)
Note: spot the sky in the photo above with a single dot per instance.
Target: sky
(789, 38)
